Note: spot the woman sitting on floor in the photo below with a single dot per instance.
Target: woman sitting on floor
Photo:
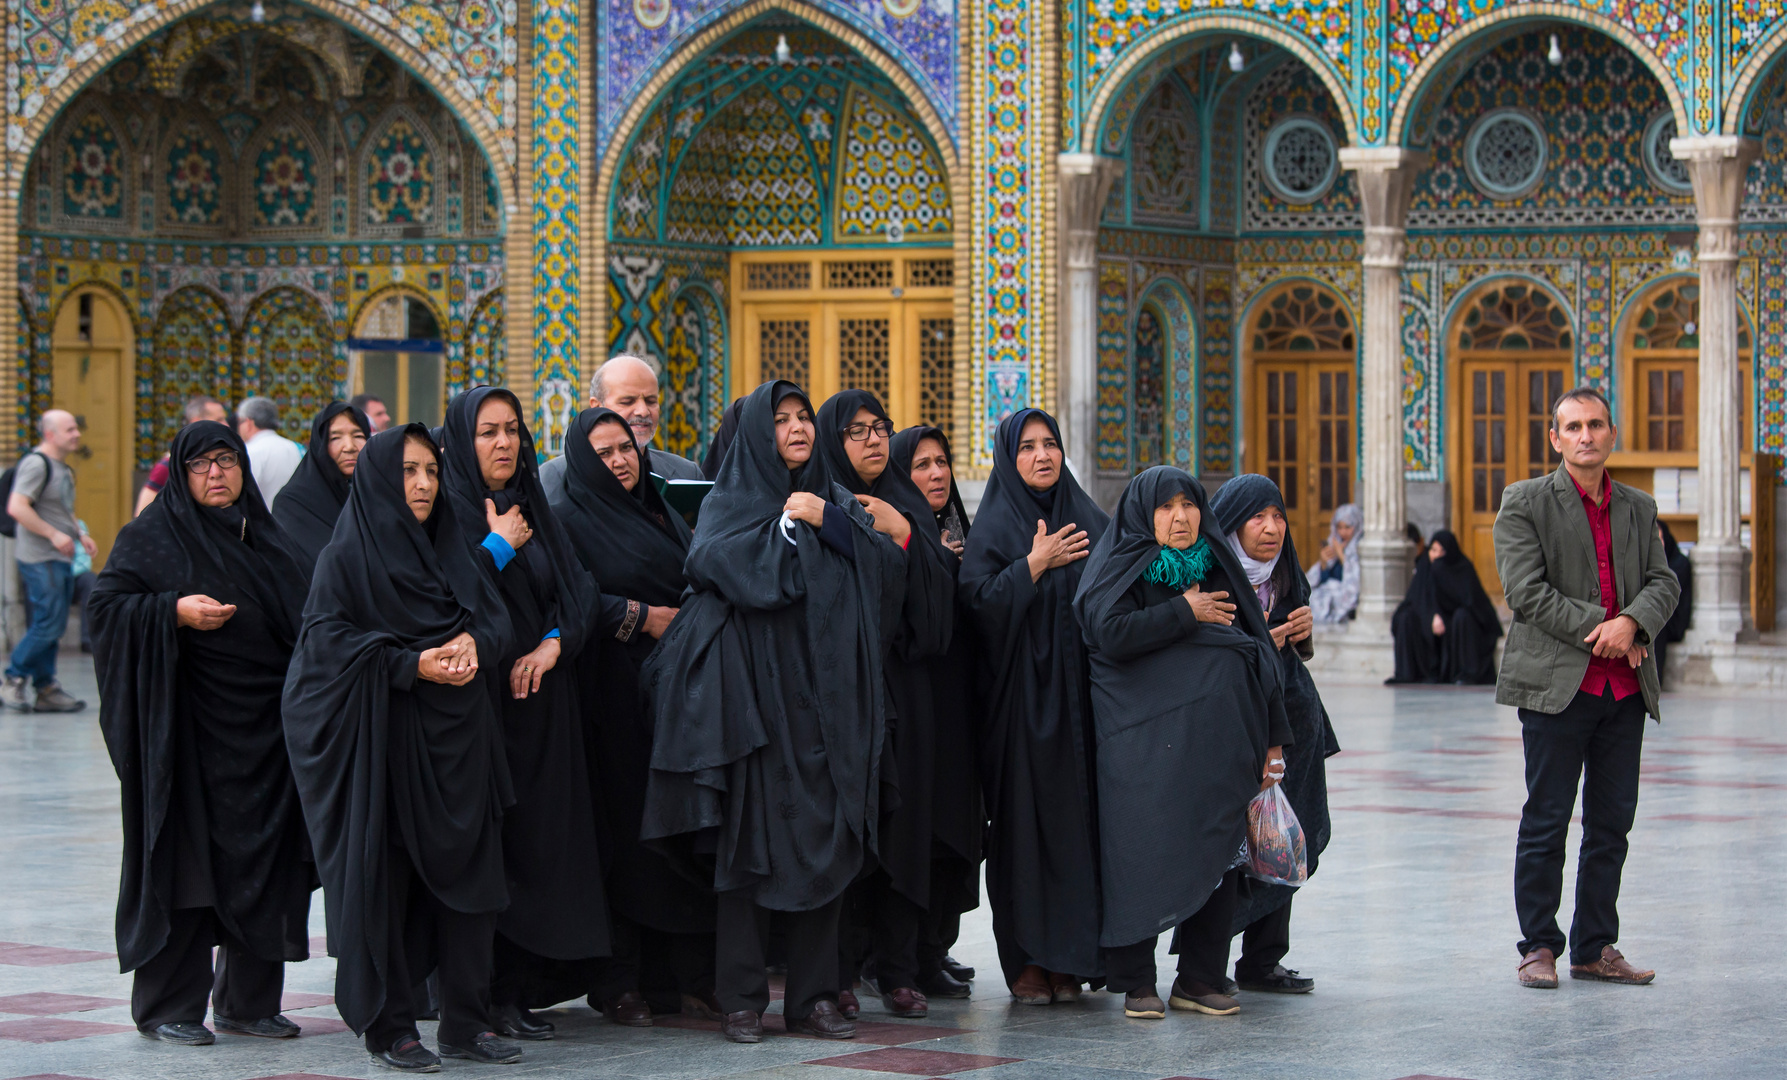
(1445, 629)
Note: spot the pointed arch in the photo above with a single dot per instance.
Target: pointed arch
(288, 355)
(284, 163)
(695, 369)
(400, 174)
(1179, 344)
(194, 174)
(91, 165)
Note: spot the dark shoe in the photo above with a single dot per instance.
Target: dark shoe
(1613, 968)
(1064, 989)
(1230, 987)
(825, 1022)
(408, 1055)
(628, 1010)
(183, 1034)
(958, 971)
(1144, 1004)
(1282, 981)
(941, 984)
(1538, 969)
(53, 698)
(1032, 987)
(906, 1003)
(485, 1047)
(702, 1007)
(268, 1027)
(519, 1023)
(744, 1026)
(848, 1006)
(1196, 997)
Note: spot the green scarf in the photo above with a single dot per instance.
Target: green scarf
(1179, 569)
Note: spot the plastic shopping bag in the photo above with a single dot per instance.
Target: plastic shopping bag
(1275, 842)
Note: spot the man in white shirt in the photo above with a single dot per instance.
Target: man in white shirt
(272, 457)
(629, 386)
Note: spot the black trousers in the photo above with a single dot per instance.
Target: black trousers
(879, 926)
(172, 987)
(426, 935)
(742, 936)
(1201, 941)
(1597, 741)
(1264, 942)
(671, 965)
(951, 877)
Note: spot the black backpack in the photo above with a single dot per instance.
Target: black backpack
(8, 526)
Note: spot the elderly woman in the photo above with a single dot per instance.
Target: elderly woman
(1250, 512)
(1019, 575)
(770, 710)
(306, 508)
(1334, 579)
(1188, 701)
(399, 758)
(194, 619)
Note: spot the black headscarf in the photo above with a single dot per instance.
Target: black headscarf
(306, 508)
(894, 485)
(191, 717)
(716, 450)
(1234, 504)
(1456, 586)
(1010, 508)
(900, 453)
(635, 540)
(381, 756)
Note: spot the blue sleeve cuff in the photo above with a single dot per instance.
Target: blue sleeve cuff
(499, 550)
(552, 633)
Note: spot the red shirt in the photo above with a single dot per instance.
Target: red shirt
(1605, 671)
(158, 476)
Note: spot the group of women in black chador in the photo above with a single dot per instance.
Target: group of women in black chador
(537, 750)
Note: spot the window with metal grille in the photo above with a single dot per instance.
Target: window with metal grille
(859, 274)
(930, 273)
(778, 276)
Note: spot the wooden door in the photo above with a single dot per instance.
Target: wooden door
(1505, 437)
(93, 376)
(862, 342)
(780, 340)
(1305, 417)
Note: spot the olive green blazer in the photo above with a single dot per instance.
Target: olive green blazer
(1545, 555)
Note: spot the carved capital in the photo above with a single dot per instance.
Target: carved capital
(1085, 184)
(1386, 184)
(1717, 164)
(1385, 247)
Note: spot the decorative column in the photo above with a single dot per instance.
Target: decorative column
(1386, 182)
(1086, 181)
(1718, 165)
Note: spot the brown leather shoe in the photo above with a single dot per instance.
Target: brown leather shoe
(702, 1007)
(848, 1006)
(1065, 989)
(1032, 987)
(628, 1010)
(743, 1026)
(906, 1003)
(1538, 969)
(825, 1022)
(1613, 968)
(1196, 997)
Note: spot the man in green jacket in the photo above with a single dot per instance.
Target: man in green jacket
(1584, 573)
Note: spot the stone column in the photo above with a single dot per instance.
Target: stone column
(1086, 181)
(1386, 181)
(1718, 165)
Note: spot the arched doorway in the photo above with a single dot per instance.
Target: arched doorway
(1300, 346)
(1660, 353)
(93, 375)
(1513, 348)
(397, 356)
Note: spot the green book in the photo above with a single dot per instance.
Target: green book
(684, 496)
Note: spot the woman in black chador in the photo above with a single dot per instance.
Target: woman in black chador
(557, 914)
(769, 711)
(621, 526)
(957, 820)
(1445, 629)
(1188, 701)
(399, 757)
(194, 619)
(1250, 511)
(1019, 574)
(306, 508)
(883, 912)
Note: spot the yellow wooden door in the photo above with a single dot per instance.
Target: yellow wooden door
(1306, 442)
(93, 373)
(1505, 437)
(779, 342)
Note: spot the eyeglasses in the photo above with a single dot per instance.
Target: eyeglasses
(860, 432)
(226, 461)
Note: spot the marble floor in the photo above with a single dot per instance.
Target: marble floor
(1408, 928)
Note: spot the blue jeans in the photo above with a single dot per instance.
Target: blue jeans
(48, 589)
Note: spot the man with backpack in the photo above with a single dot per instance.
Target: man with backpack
(42, 503)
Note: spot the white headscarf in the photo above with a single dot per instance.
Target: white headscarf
(1259, 574)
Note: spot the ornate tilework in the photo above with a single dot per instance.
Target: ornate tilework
(1216, 447)
(287, 355)
(285, 180)
(1771, 359)
(1113, 366)
(399, 174)
(1293, 90)
(486, 350)
(1114, 27)
(636, 192)
(666, 302)
(1421, 366)
(556, 199)
(891, 182)
(772, 194)
(194, 178)
(695, 364)
(192, 355)
(1149, 387)
(1176, 403)
(1165, 160)
(93, 170)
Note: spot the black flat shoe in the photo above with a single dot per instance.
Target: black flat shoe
(485, 1047)
(180, 1034)
(1282, 981)
(518, 1023)
(744, 1026)
(267, 1027)
(824, 1022)
(941, 984)
(408, 1055)
(957, 970)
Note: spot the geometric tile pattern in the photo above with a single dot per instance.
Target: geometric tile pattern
(1114, 348)
(555, 202)
(93, 170)
(891, 182)
(190, 354)
(286, 185)
(399, 176)
(667, 302)
(485, 347)
(1293, 90)
(287, 356)
(194, 178)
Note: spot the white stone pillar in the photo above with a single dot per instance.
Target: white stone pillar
(1386, 182)
(1718, 165)
(1086, 181)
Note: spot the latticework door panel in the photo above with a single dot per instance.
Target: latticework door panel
(937, 371)
(785, 350)
(863, 355)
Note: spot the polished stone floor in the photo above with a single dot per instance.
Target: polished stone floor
(1408, 928)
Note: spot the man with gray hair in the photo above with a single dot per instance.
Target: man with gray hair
(198, 407)
(272, 457)
(627, 384)
(42, 502)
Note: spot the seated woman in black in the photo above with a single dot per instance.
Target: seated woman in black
(1445, 630)
(1188, 706)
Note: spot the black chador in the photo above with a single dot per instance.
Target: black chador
(214, 848)
(557, 911)
(638, 544)
(1449, 588)
(402, 776)
(306, 508)
(1036, 742)
(769, 709)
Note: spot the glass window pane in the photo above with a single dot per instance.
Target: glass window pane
(425, 388)
(378, 377)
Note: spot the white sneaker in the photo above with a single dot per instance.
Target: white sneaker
(17, 694)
